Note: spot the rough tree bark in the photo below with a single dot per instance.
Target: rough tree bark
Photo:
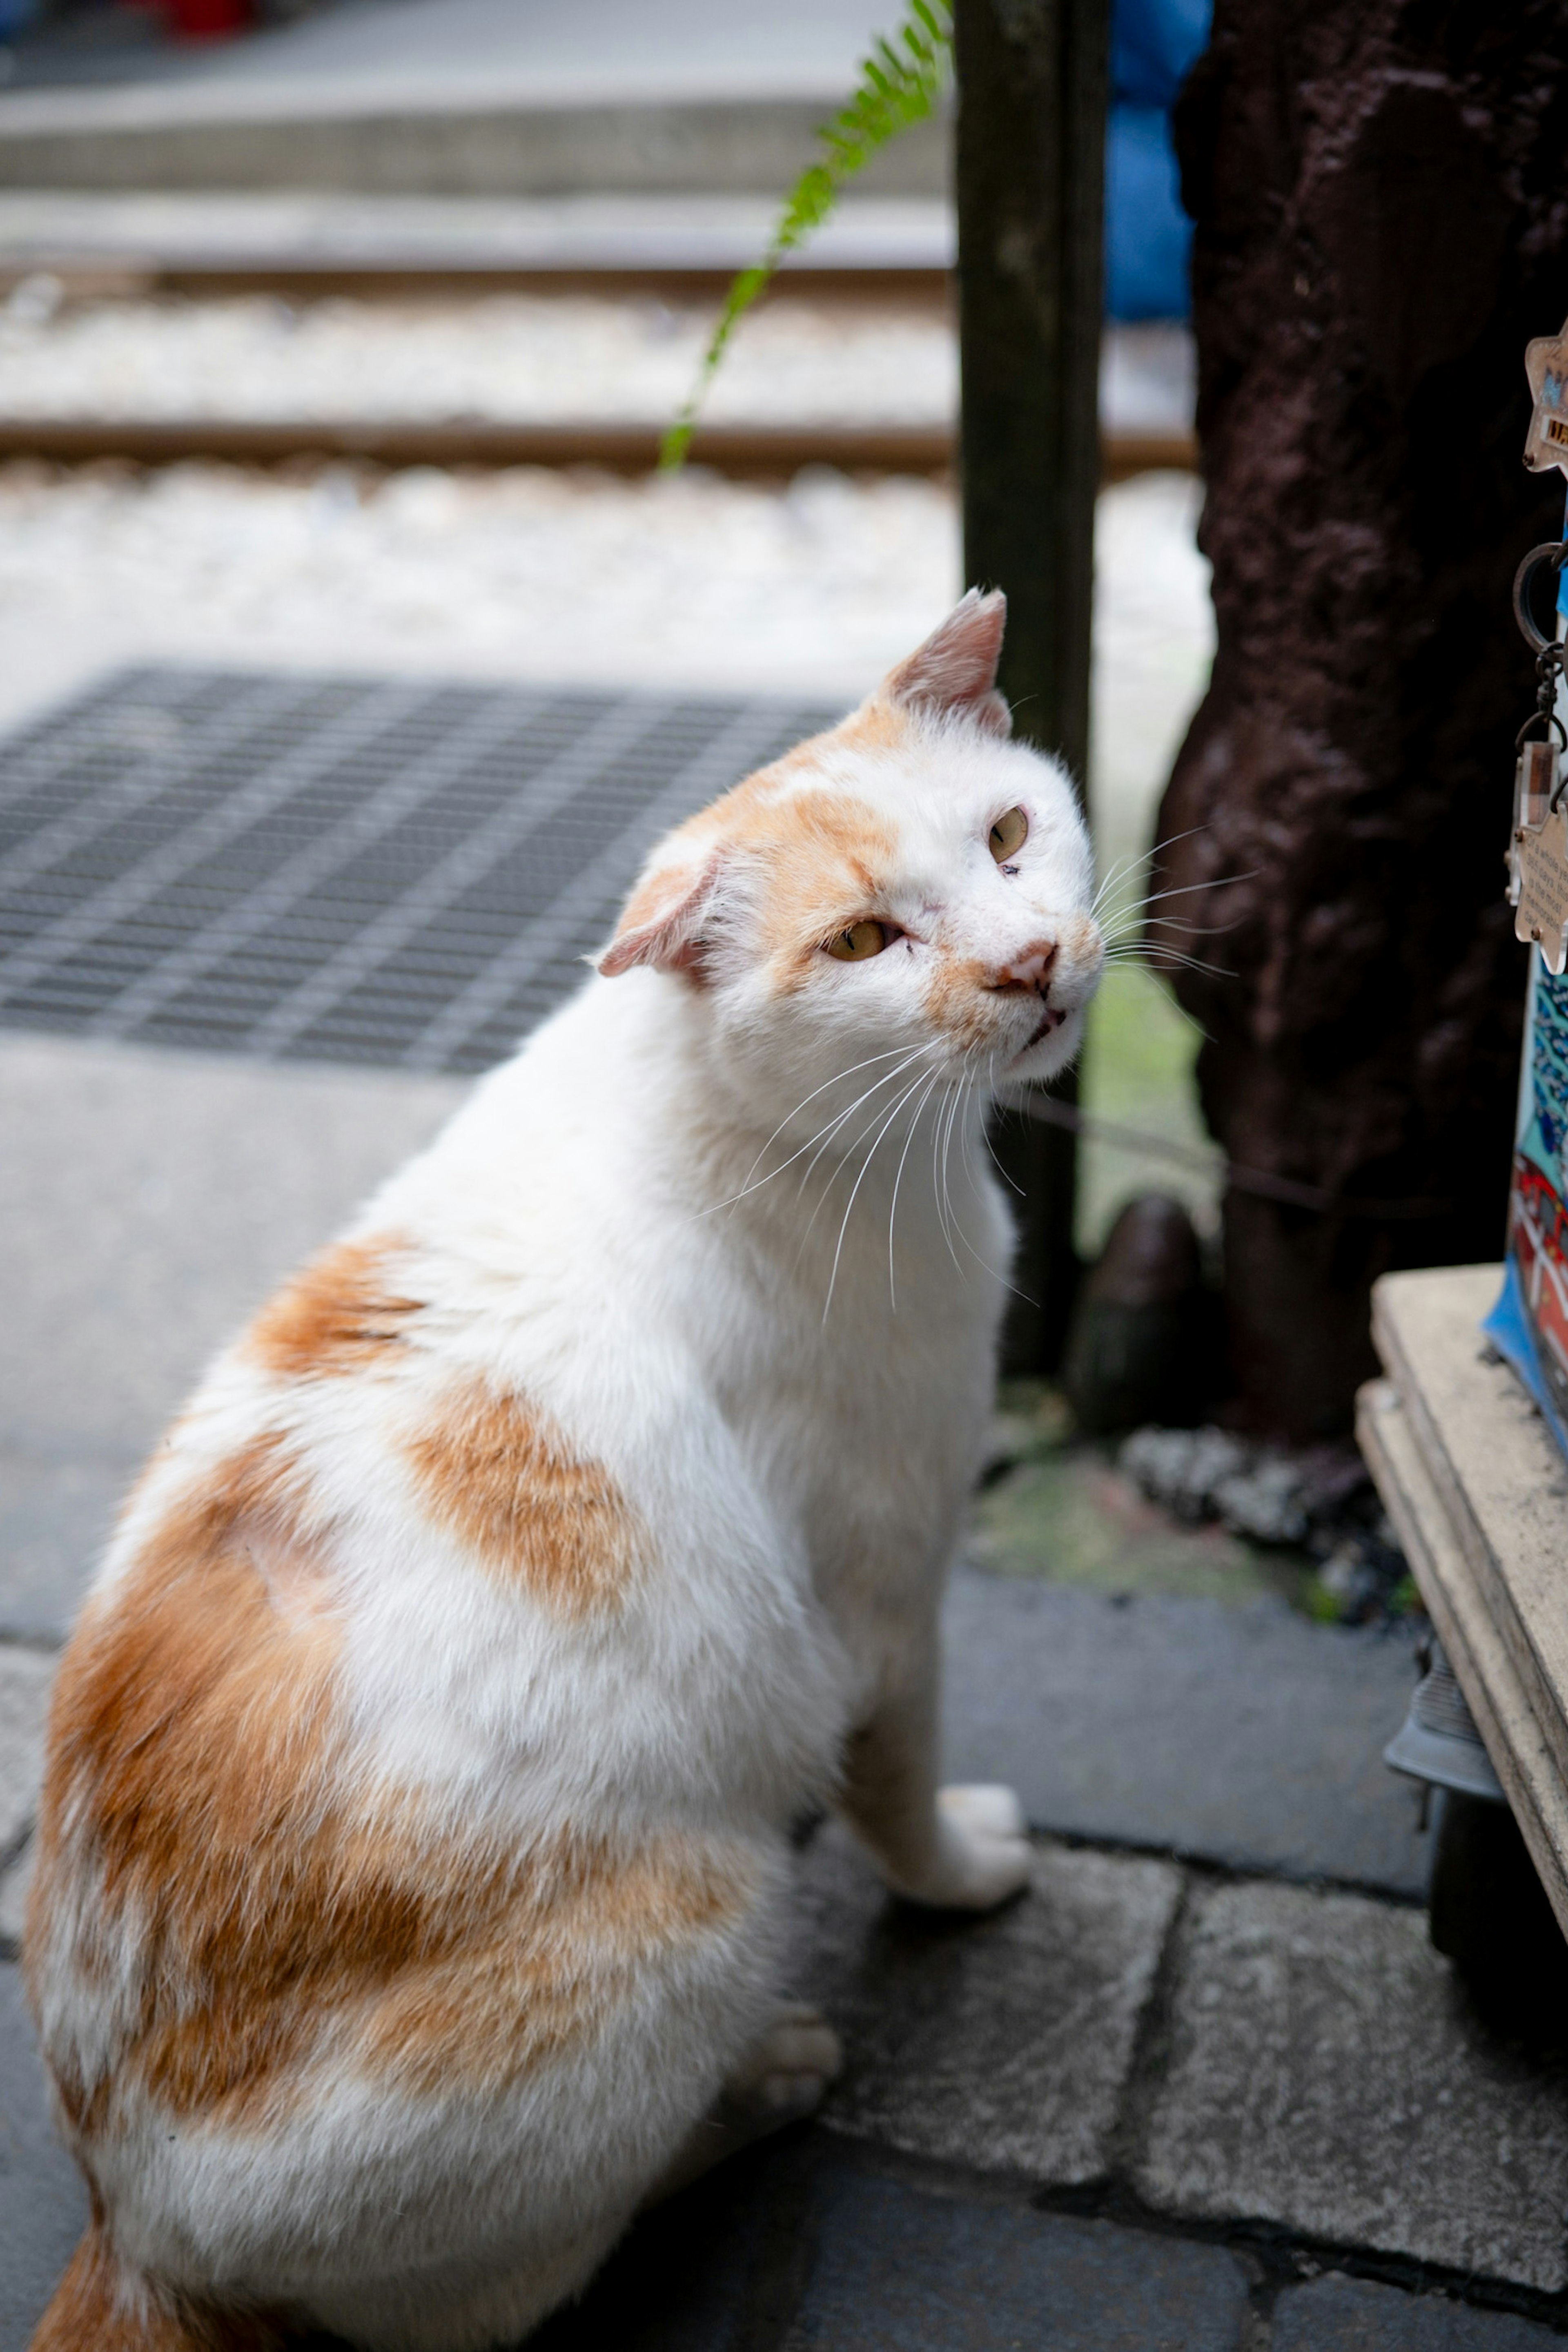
(1381, 194)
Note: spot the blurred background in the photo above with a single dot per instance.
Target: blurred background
(492, 230)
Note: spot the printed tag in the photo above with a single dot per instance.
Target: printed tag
(1542, 914)
(1534, 789)
(1546, 365)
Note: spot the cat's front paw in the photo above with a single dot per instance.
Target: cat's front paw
(982, 1851)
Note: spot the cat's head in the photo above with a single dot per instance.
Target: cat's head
(910, 882)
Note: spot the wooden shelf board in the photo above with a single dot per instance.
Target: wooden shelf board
(1479, 1494)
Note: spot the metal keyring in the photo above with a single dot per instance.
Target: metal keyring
(1556, 553)
(1547, 720)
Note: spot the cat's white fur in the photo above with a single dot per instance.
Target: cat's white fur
(626, 1224)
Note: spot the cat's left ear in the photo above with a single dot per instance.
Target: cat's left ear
(662, 926)
(954, 673)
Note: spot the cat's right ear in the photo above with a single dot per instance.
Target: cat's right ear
(662, 926)
(954, 673)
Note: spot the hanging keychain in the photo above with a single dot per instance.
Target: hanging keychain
(1538, 851)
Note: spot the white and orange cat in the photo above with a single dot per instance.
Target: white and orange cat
(415, 1844)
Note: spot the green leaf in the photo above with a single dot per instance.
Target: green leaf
(892, 95)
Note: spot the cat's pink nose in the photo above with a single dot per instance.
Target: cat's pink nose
(1030, 968)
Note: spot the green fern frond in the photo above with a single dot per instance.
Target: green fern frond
(895, 91)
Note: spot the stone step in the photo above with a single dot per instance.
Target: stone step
(488, 134)
(189, 239)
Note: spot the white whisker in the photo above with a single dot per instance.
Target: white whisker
(1143, 857)
(933, 1080)
(845, 1159)
(949, 1215)
(837, 1079)
(860, 1180)
(828, 1132)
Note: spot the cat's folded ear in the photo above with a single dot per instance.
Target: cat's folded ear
(662, 926)
(955, 671)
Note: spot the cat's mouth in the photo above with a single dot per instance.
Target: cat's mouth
(1050, 1019)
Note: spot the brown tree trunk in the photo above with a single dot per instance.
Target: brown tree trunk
(1381, 194)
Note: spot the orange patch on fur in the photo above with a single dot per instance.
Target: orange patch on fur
(255, 1907)
(95, 2308)
(502, 1476)
(827, 853)
(189, 1735)
(561, 1947)
(961, 1003)
(878, 724)
(825, 847)
(340, 1314)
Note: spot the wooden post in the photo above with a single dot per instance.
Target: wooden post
(1033, 79)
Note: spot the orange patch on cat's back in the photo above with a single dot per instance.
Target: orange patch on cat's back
(502, 1475)
(341, 1313)
(190, 1745)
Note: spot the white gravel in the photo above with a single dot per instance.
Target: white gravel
(566, 358)
(506, 356)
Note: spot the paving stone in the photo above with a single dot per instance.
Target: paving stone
(24, 1678)
(1344, 2315)
(54, 1518)
(1326, 2073)
(795, 2247)
(1249, 1736)
(13, 1901)
(1001, 2043)
(892, 2266)
(43, 2204)
(719, 2268)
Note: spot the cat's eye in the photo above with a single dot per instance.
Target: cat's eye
(1008, 835)
(861, 940)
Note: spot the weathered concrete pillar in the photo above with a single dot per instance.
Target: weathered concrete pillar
(1381, 194)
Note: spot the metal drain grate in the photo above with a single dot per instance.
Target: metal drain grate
(338, 869)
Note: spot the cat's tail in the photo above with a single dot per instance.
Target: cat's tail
(99, 2307)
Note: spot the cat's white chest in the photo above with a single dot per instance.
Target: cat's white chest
(864, 1418)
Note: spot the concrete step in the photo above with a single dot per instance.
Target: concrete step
(169, 240)
(484, 135)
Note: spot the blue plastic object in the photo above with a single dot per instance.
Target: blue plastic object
(1508, 1329)
(1153, 44)
(1148, 238)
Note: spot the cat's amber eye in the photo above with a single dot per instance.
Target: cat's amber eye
(861, 940)
(1008, 835)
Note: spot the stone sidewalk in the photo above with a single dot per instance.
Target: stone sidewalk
(1146, 2107)
(1207, 2084)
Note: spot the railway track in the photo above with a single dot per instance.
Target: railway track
(757, 452)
